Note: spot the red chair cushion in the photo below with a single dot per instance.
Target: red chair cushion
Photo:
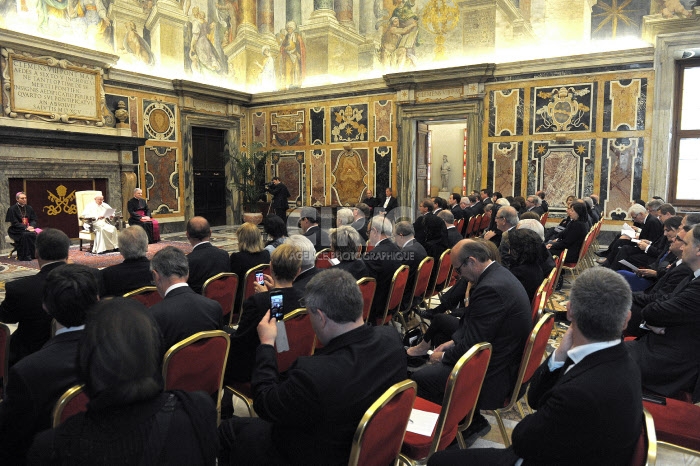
(417, 446)
(676, 422)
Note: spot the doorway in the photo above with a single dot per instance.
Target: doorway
(209, 172)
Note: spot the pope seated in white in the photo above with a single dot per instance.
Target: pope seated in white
(105, 234)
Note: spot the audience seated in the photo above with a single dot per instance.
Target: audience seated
(140, 214)
(650, 228)
(205, 260)
(574, 234)
(22, 231)
(383, 261)
(309, 226)
(360, 214)
(346, 245)
(309, 417)
(308, 261)
(543, 203)
(129, 419)
(499, 313)
(22, 304)
(430, 231)
(593, 215)
(106, 234)
(135, 271)
(667, 353)
(276, 231)
(182, 312)
(524, 253)
(532, 204)
(587, 395)
(36, 382)
(344, 216)
(453, 236)
(645, 252)
(251, 252)
(506, 220)
(413, 254)
(453, 202)
(284, 266)
(552, 233)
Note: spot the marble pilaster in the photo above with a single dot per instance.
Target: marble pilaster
(166, 23)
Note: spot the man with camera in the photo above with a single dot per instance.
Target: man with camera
(280, 194)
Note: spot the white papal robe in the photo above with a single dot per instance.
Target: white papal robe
(106, 235)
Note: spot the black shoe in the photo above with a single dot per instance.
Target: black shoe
(603, 253)
(560, 283)
(25, 259)
(478, 428)
(425, 314)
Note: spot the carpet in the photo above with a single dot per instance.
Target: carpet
(99, 261)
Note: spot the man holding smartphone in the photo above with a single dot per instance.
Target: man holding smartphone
(310, 416)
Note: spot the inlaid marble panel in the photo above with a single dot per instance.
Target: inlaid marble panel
(318, 177)
(503, 157)
(349, 123)
(622, 172)
(562, 169)
(290, 168)
(383, 120)
(349, 175)
(162, 180)
(244, 131)
(288, 127)
(625, 105)
(159, 120)
(259, 127)
(563, 108)
(506, 112)
(317, 116)
(382, 169)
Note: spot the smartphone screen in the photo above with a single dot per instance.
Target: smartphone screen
(260, 278)
(276, 305)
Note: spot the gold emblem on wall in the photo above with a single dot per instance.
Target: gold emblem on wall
(62, 203)
(568, 109)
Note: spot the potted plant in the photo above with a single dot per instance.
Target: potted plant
(248, 180)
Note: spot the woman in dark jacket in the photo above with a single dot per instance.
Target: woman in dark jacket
(251, 252)
(525, 259)
(574, 234)
(346, 245)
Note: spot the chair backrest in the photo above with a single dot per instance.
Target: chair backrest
(485, 221)
(461, 395)
(83, 198)
(147, 295)
(396, 289)
(72, 402)
(559, 263)
(459, 225)
(5, 336)
(323, 259)
(222, 288)
(471, 225)
(300, 335)
(380, 433)
(249, 282)
(198, 363)
(645, 449)
(443, 272)
(425, 269)
(543, 219)
(540, 297)
(368, 286)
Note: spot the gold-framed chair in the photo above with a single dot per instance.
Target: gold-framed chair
(249, 284)
(395, 295)
(368, 286)
(439, 280)
(380, 433)
(222, 288)
(198, 363)
(646, 447)
(83, 198)
(539, 300)
(323, 259)
(146, 295)
(5, 336)
(73, 401)
(420, 289)
(461, 395)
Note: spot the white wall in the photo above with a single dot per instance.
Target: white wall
(447, 139)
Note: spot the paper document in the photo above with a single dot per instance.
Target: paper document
(628, 230)
(109, 212)
(630, 266)
(422, 422)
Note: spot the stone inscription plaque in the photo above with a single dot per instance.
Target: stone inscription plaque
(68, 92)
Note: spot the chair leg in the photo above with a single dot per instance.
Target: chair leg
(502, 428)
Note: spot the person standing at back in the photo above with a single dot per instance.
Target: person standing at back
(280, 194)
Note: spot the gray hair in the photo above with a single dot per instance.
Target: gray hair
(405, 229)
(382, 225)
(534, 199)
(137, 189)
(306, 248)
(654, 204)
(533, 225)
(476, 249)
(588, 201)
(502, 201)
(343, 305)
(600, 300)
(133, 243)
(447, 217)
(509, 214)
(344, 217)
(345, 242)
(692, 219)
(636, 209)
(170, 262)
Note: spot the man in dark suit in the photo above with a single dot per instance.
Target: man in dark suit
(382, 261)
(532, 204)
(36, 382)
(498, 312)
(310, 416)
(309, 225)
(650, 228)
(430, 231)
(360, 215)
(205, 260)
(587, 395)
(370, 201)
(413, 255)
(387, 203)
(453, 236)
(22, 223)
(182, 312)
(22, 303)
(506, 219)
(453, 202)
(308, 261)
(280, 194)
(135, 271)
(645, 252)
(667, 354)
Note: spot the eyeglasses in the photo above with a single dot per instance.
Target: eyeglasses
(302, 302)
(499, 218)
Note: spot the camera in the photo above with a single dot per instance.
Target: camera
(276, 305)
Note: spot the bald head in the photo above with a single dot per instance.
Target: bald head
(198, 230)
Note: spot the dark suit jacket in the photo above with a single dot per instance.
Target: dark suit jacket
(431, 232)
(383, 261)
(393, 204)
(318, 237)
(34, 385)
(599, 398)
(244, 340)
(498, 312)
(241, 262)
(356, 268)
(572, 239)
(413, 254)
(22, 305)
(530, 275)
(182, 313)
(457, 211)
(127, 276)
(361, 226)
(280, 194)
(669, 362)
(304, 278)
(453, 237)
(538, 210)
(652, 229)
(315, 410)
(205, 261)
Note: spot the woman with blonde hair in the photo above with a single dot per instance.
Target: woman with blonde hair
(251, 252)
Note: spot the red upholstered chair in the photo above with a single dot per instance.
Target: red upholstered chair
(300, 336)
(420, 288)
(396, 289)
(539, 300)
(461, 394)
(323, 259)
(249, 283)
(531, 360)
(5, 336)
(147, 295)
(543, 219)
(378, 438)
(198, 363)
(368, 286)
(558, 264)
(222, 288)
(459, 225)
(677, 423)
(485, 222)
(472, 226)
(442, 273)
(645, 449)
(72, 402)
(583, 261)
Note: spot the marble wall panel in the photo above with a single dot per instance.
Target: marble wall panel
(317, 117)
(625, 105)
(111, 104)
(288, 127)
(318, 172)
(290, 168)
(259, 127)
(568, 108)
(383, 120)
(622, 162)
(159, 120)
(503, 157)
(162, 179)
(349, 175)
(506, 112)
(382, 169)
(349, 123)
(560, 172)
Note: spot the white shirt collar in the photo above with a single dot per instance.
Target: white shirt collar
(176, 285)
(69, 329)
(578, 353)
(199, 244)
